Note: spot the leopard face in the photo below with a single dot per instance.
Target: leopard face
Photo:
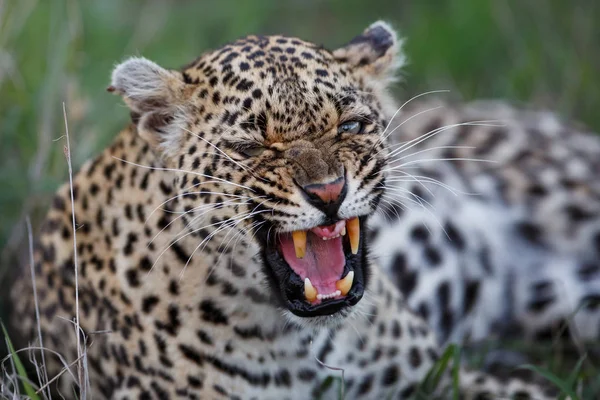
(278, 144)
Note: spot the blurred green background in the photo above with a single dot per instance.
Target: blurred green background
(540, 52)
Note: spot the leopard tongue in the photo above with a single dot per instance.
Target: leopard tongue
(323, 262)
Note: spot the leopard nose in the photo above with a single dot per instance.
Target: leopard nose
(328, 196)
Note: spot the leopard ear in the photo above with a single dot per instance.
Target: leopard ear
(154, 96)
(377, 51)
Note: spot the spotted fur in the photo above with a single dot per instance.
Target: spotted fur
(501, 236)
(176, 298)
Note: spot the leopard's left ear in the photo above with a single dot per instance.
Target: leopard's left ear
(377, 51)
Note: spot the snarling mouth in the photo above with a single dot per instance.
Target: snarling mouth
(321, 270)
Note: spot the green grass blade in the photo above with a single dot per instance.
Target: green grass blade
(431, 381)
(456, 374)
(325, 386)
(564, 386)
(572, 379)
(20, 368)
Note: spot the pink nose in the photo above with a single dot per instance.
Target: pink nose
(329, 192)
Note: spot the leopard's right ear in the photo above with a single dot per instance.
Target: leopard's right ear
(145, 85)
(154, 95)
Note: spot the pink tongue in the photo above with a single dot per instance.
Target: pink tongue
(323, 262)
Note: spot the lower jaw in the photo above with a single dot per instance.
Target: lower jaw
(316, 322)
(326, 308)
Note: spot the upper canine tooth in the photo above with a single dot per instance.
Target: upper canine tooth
(299, 238)
(354, 233)
(344, 231)
(310, 293)
(345, 284)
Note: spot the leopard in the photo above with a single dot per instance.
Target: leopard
(256, 229)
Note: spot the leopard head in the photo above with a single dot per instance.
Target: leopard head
(281, 142)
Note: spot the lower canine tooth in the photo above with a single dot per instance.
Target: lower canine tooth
(345, 284)
(354, 233)
(310, 293)
(299, 238)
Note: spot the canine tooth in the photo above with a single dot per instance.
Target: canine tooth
(344, 284)
(299, 238)
(310, 293)
(344, 231)
(354, 233)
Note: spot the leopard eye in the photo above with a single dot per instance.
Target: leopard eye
(252, 151)
(350, 127)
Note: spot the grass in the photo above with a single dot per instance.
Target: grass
(568, 386)
(443, 378)
(16, 376)
(532, 52)
(19, 369)
(433, 378)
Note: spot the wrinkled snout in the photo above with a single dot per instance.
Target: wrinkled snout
(320, 176)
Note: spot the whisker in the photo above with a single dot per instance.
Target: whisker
(176, 240)
(439, 159)
(203, 206)
(385, 134)
(232, 221)
(407, 120)
(218, 149)
(235, 219)
(390, 161)
(419, 202)
(404, 146)
(420, 139)
(427, 179)
(415, 180)
(238, 235)
(410, 100)
(184, 171)
(421, 180)
(209, 207)
(415, 199)
(186, 193)
(390, 208)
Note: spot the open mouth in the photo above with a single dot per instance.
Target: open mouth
(321, 270)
